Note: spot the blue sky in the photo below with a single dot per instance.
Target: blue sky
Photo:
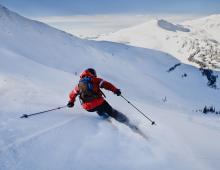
(91, 7)
(94, 17)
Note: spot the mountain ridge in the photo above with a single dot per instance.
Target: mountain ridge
(189, 44)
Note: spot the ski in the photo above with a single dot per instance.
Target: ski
(135, 129)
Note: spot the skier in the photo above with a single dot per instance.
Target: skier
(91, 96)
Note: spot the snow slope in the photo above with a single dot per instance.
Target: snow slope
(194, 42)
(209, 24)
(40, 65)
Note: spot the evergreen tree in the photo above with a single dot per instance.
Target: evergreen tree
(205, 110)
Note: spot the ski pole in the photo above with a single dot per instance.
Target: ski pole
(152, 122)
(28, 115)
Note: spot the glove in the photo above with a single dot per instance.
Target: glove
(118, 92)
(70, 104)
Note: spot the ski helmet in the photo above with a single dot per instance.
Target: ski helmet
(92, 71)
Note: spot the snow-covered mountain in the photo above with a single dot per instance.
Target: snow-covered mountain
(209, 24)
(39, 65)
(194, 42)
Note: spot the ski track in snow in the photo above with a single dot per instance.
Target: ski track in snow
(25, 139)
(51, 133)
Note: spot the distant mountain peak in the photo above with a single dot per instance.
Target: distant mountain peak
(171, 27)
(3, 9)
(6, 13)
(194, 42)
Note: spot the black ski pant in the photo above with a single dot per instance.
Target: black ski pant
(105, 110)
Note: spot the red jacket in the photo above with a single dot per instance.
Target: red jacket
(97, 84)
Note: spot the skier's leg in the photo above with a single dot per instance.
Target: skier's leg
(102, 114)
(119, 116)
(105, 110)
(114, 113)
(100, 110)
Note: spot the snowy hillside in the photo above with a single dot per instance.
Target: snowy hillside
(39, 65)
(194, 42)
(210, 25)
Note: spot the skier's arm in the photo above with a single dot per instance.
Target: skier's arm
(107, 85)
(73, 94)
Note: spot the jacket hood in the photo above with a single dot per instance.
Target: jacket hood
(86, 73)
